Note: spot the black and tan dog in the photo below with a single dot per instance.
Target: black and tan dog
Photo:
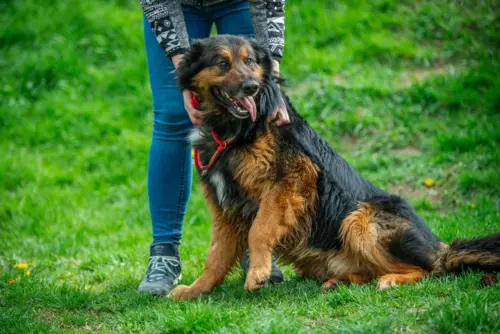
(284, 189)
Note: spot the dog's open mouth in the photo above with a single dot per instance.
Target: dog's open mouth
(239, 107)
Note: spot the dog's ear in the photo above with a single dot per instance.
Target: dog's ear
(270, 95)
(190, 64)
(264, 59)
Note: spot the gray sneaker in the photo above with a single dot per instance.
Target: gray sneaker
(164, 270)
(276, 273)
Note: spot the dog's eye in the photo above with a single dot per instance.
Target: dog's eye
(249, 61)
(224, 64)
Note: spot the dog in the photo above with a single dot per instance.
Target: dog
(283, 189)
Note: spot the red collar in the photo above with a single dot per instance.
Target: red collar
(223, 144)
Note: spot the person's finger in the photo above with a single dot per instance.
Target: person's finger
(283, 121)
(195, 120)
(192, 111)
(273, 115)
(287, 116)
(282, 116)
(194, 115)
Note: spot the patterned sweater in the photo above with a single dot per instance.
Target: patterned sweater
(167, 21)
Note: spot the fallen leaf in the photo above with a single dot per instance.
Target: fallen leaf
(488, 279)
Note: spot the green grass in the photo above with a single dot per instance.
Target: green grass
(404, 90)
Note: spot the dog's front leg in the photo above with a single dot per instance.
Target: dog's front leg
(222, 256)
(275, 218)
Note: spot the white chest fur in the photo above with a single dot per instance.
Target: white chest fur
(217, 181)
(195, 136)
(215, 178)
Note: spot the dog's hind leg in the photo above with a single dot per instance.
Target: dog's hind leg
(392, 280)
(385, 245)
(334, 282)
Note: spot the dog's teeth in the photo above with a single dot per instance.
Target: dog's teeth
(241, 110)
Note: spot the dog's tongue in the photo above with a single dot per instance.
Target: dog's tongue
(249, 104)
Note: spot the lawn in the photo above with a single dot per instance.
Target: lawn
(407, 91)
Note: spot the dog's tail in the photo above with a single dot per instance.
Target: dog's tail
(481, 254)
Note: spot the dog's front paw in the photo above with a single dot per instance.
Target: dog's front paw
(184, 292)
(257, 279)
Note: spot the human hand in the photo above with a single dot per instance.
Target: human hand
(276, 68)
(193, 113)
(280, 115)
(176, 60)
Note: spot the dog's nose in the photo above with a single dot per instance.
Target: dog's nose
(250, 87)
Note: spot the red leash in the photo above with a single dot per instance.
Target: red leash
(194, 101)
(223, 144)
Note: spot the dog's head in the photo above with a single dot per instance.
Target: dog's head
(232, 76)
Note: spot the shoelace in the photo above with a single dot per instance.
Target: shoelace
(162, 266)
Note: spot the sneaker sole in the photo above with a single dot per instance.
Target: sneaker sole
(157, 293)
(176, 282)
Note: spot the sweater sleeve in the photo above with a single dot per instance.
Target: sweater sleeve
(268, 18)
(167, 22)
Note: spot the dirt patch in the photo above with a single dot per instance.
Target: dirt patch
(299, 89)
(409, 78)
(50, 315)
(350, 141)
(407, 151)
(362, 111)
(411, 193)
(417, 310)
(406, 79)
(340, 79)
(86, 327)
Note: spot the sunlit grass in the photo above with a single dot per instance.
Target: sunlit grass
(405, 91)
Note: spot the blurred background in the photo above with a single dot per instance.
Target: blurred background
(407, 91)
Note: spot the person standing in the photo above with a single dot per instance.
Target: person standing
(169, 25)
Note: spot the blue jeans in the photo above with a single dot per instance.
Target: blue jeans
(169, 169)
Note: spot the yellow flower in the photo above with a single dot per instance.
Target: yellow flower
(21, 265)
(28, 272)
(429, 183)
(12, 281)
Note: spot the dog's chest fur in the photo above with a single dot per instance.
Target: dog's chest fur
(216, 180)
(237, 182)
(226, 179)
